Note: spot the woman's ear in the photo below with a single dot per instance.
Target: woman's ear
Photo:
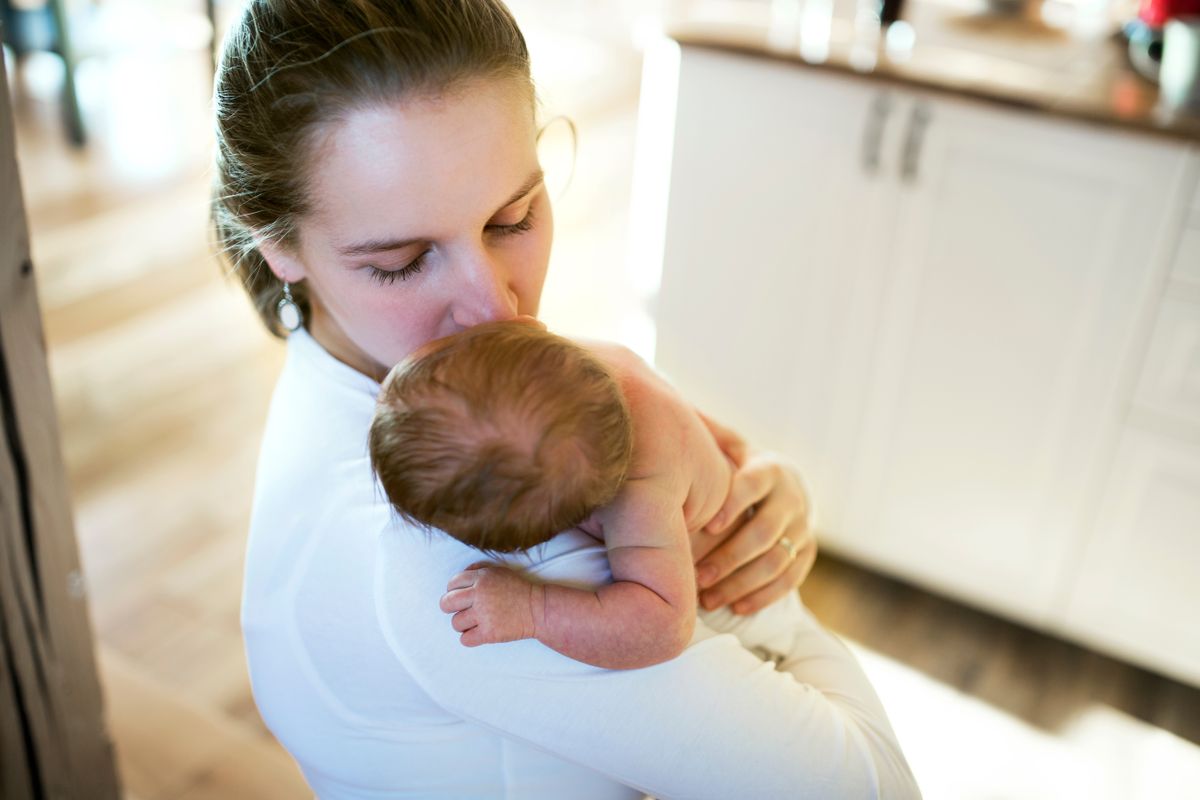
(283, 262)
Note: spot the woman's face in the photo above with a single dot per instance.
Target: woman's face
(429, 216)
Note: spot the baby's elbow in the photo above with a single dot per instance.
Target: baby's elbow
(681, 637)
(686, 631)
(664, 640)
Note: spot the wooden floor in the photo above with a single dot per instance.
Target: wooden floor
(162, 377)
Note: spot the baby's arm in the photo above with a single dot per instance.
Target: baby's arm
(646, 616)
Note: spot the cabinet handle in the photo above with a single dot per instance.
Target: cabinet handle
(918, 121)
(872, 143)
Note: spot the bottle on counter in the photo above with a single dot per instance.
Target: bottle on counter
(889, 11)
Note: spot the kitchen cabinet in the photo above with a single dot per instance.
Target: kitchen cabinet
(1135, 592)
(941, 310)
(764, 199)
(1136, 589)
(1022, 268)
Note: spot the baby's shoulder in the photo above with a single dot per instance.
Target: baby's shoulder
(644, 510)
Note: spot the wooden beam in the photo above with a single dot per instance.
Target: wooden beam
(53, 740)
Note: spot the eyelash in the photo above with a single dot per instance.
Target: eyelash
(517, 227)
(389, 276)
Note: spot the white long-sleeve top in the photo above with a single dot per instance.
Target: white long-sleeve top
(360, 676)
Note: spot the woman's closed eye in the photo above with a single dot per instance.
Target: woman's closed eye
(389, 276)
(521, 226)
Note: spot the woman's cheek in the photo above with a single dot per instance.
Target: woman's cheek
(412, 324)
(536, 262)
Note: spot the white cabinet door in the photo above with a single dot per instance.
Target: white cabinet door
(770, 210)
(1028, 255)
(1136, 590)
(1136, 593)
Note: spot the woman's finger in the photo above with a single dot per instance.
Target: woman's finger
(746, 598)
(806, 558)
(761, 571)
(787, 581)
(750, 484)
(744, 545)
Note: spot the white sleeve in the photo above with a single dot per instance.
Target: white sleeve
(715, 722)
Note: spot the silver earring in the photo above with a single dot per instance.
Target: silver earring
(287, 310)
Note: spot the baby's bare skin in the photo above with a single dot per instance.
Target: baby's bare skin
(678, 481)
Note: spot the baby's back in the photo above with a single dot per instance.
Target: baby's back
(675, 457)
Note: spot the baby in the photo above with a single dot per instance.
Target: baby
(505, 435)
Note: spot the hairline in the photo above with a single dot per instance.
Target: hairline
(322, 134)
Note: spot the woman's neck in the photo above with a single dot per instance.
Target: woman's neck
(330, 336)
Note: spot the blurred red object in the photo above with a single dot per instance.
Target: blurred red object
(1155, 13)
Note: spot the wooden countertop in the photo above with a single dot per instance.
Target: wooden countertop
(1051, 57)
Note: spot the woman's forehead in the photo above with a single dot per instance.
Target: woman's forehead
(434, 161)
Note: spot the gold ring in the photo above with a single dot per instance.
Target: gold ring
(789, 545)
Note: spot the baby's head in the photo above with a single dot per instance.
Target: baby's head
(502, 435)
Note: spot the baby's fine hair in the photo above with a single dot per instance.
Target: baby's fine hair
(502, 436)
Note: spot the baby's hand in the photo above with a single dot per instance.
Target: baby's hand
(491, 604)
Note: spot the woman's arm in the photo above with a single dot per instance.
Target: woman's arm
(739, 558)
(715, 722)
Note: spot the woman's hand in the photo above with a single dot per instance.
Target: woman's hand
(760, 545)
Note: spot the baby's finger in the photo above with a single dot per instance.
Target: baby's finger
(464, 579)
(750, 485)
(463, 621)
(456, 600)
(473, 637)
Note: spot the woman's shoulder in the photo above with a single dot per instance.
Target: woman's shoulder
(320, 409)
(313, 460)
(314, 384)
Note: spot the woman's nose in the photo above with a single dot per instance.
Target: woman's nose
(487, 294)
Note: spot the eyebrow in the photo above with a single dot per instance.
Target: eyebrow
(381, 245)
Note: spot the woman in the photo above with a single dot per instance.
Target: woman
(378, 183)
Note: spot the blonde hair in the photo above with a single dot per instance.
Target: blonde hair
(290, 67)
(502, 436)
